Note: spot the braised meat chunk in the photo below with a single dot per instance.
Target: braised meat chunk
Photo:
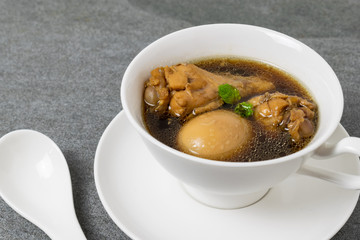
(186, 89)
(289, 113)
(156, 92)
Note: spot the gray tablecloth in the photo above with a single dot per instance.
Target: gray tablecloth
(61, 64)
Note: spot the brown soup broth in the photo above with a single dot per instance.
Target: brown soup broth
(266, 144)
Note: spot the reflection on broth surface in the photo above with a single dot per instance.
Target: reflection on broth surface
(283, 115)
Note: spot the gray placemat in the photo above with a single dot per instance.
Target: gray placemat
(61, 64)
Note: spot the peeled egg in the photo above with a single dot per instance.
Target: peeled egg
(214, 135)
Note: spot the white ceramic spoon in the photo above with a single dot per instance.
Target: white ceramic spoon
(35, 182)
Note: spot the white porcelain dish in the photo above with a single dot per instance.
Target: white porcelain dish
(147, 203)
(238, 185)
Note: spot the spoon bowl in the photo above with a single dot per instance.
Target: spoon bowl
(35, 182)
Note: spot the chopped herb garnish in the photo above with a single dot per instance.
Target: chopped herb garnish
(244, 109)
(229, 94)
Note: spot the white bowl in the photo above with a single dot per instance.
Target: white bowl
(233, 184)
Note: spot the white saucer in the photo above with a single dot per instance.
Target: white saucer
(147, 203)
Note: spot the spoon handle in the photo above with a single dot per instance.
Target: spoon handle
(65, 229)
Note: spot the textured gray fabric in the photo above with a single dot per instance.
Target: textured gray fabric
(61, 64)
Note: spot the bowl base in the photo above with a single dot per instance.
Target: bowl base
(223, 201)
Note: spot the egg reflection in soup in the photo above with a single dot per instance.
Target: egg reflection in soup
(215, 135)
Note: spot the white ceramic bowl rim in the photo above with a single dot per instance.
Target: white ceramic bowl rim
(308, 149)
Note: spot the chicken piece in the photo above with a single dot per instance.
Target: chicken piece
(193, 90)
(177, 80)
(289, 113)
(156, 93)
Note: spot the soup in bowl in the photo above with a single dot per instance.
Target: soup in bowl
(233, 184)
(229, 109)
